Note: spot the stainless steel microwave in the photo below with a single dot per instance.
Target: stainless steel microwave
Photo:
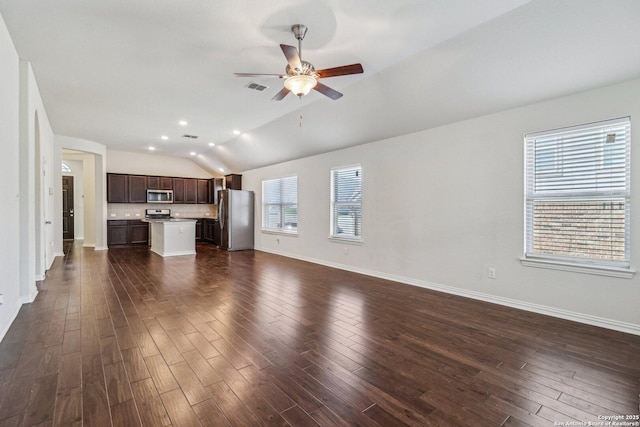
(159, 196)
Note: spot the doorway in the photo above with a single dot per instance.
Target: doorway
(67, 208)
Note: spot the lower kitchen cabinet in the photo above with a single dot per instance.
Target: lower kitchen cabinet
(127, 233)
(211, 231)
(139, 232)
(199, 226)
(117, 233)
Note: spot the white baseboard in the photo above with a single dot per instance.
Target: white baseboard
(39, 277)
(11, 318)
(57, 254)
(588, 319)
(23, 300)
(88, 245)
(28, 299)
(100, 248)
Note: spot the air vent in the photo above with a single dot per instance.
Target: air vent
(256, 86)
(190, 136)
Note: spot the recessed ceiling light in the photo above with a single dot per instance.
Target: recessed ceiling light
(221, 170)
(182, 123)
(193, 153)
(212, 144)
(236, 132)
(164, 137)
(152, 148)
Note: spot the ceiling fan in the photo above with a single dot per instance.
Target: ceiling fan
(301, 76)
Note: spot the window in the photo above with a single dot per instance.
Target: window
(346, 203)
(578, 194)
(65, 168)
(280, 205)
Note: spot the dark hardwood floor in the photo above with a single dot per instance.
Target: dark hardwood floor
(127, 338)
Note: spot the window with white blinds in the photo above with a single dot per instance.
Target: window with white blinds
(578, 194)
(280, 204)
(346, 203)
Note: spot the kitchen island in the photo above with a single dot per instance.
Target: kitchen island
(171, 237)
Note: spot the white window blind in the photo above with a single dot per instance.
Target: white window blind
(280, 204)
(346, 203)
(578, 193)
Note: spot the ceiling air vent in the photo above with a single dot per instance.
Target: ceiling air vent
(256, 86)
(190, 136)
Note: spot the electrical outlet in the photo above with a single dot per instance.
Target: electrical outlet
(346, 251)
(492, 273)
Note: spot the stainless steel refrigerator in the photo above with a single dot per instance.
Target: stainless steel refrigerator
(235, 214)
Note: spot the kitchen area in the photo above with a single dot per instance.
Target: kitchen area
(170, 214)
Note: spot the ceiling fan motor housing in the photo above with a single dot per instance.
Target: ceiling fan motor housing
(307, 69)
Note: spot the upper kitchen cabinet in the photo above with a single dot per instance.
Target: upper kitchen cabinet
(159, 183)
(233, 182)
(153, 182)
(166, 183)
(137, 189)
(203, 191)
(178, 190)
(190, 190)
(117, 188)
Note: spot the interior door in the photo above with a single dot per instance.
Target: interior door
(67, 207)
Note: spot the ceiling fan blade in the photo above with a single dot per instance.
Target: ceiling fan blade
(257, 75)
(326, 90)
(280, 95)
(340, 71)
(293, 58)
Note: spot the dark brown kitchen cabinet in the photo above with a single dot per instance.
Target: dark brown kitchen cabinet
(137, 189)
(153, 182)
(215, 185)
(207, 232)
(202, 191)
(159, 183)
(190, 190)
(217, 233)
(178, 190)
(199, 224)
(127, 233)
(138, 233)
(233, 182)
(166, 183)
(117, 188)
(117, 233)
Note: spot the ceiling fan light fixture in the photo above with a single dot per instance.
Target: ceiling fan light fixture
(300, 84)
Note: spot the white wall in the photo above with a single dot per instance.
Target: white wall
(152, 164)
(36, 177)
(443, 205)
(9, 180)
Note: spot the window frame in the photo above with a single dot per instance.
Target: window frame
(570, 195)
(340, 237)
(282, 206)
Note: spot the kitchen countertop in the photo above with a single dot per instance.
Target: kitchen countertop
(158, 220)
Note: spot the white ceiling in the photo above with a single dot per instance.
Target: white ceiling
(124, 72)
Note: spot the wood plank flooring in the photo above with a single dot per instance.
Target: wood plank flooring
(127, 338)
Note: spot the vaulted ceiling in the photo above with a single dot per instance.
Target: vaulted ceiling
(124, 73)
